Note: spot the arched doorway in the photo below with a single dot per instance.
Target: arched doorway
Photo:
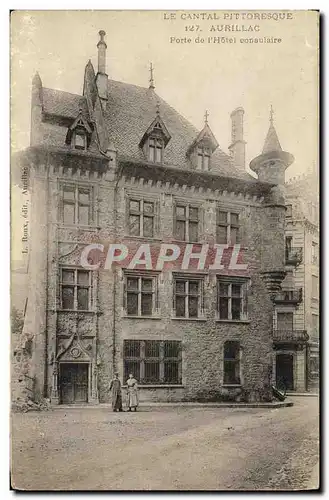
(285, 370)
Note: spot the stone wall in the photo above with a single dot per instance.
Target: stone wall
(106, 327)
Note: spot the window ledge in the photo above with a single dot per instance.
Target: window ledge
(128, 316)
(243, 321)
(188, 319)
(232, 385)
(190, 242)
(157, 386)
(78, 226)
(77, 311)
(142, 238)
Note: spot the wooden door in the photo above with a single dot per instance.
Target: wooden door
(81, 384)
(285, 371)
(74, 383)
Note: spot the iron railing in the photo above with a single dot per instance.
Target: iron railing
(289, 296)
(290, 336)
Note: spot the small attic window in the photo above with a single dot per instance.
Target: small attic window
(155, 149)
(80, 140)
(155, 140)
(203, 154)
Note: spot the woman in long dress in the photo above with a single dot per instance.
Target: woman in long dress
(132, 393)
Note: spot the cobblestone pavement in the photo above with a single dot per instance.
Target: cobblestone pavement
(167, 448)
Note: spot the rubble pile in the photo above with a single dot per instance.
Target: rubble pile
(23, 406)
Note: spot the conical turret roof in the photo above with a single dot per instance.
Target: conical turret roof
(272, 142)
(271, 149)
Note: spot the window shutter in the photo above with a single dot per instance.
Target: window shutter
(245, 296)
(124, 294)
(174, 297)
(201, 298)
(156, 295)
(217, 299)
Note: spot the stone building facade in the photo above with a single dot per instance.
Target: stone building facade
(298, 309)
(118, 166)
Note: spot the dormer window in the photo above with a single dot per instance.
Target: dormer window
(155, 153)
(80, 140)
(154, 140)
(201, 149)
(79, 133)
(203, 158)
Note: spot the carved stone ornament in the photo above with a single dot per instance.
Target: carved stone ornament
(67, 249)
(75, 352)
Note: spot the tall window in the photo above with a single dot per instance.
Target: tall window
(153, 361)
(228, 227)
(232, 362)
(155, 150)
(141, 218)
(141, 295)
(288, 243)
(186, 223)
(76, 289)
(314, 253)
(188, 298)
(285, 321)
(315, 287)
(203, 158)
(77, 204)
(232, 300)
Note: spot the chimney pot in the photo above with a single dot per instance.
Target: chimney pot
(102, 52)
(101, 77)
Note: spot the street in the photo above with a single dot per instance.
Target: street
(177, 448)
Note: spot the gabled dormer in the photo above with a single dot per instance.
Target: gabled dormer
(202, 148)
(79, 133)
(155, 139)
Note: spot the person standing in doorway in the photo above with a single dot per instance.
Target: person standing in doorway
(132, 393)
(115, 387)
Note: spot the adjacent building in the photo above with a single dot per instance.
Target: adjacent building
(117, 165)
(297, 311)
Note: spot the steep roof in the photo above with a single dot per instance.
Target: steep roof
(63, 104)
(272, 142)
(130, 110)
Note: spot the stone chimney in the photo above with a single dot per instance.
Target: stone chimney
(101, 77)
(238, 145)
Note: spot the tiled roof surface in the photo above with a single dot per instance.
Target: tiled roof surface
(130, 110)
(64, 104)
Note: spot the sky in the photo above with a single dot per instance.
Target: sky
(191, 77)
